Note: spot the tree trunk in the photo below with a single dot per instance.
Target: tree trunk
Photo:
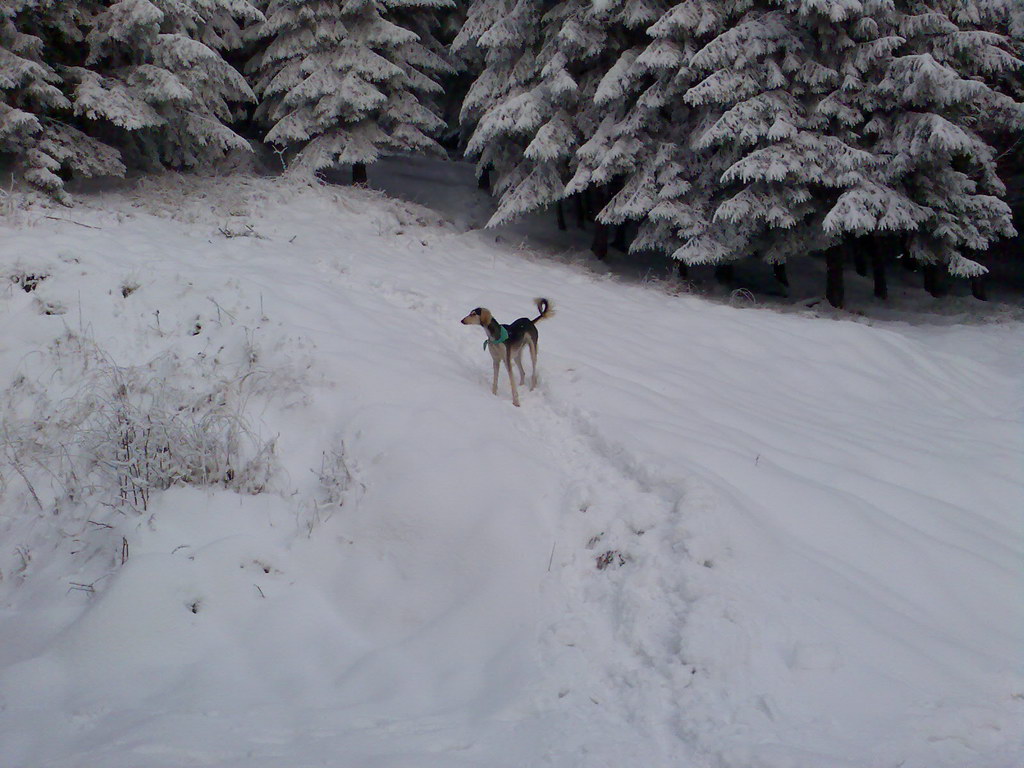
(779, 270)
(860, 258)
(878, 269)
(620, 238)
(581, 213)
(978, 288)
(601, 231)
(682, 269)
(725, 274)
(834, 277)
(578, 210)
(560, 215)
(590, 207)
(610, 191)
(484, 181)
(932, 280)
(359, 173)
(599, 245)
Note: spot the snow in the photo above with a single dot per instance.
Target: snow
(713, 536)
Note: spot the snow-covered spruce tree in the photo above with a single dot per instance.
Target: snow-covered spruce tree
(852, 44)
(768, 161)
(1007, 16)
(30, 91)
(156, 81)
(556, 75)
(435, 24)
(456, 85)
(762, 115)
(645, 133)
(1011, 146)
(34, 109)
(524, 105)
(526, 128)
(623, 115)
(926, 109)
(349, 81)
(601, 46)
(496, 38)
(676, 188)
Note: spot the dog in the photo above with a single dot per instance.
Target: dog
(508, 341)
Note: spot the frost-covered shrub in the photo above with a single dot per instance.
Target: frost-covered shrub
(334, 479)
(143, 435)
(128, 431)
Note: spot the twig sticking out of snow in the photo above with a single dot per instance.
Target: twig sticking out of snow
(72, 221)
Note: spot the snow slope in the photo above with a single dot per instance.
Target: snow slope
(713, 536)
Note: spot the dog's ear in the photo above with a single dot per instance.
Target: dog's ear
(485, 316)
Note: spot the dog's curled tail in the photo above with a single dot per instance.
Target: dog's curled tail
(544, 307)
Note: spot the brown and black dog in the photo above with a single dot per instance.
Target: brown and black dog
(508, 341)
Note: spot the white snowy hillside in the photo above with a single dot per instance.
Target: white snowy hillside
(259, 508)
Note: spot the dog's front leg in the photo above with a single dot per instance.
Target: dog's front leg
(494, 378)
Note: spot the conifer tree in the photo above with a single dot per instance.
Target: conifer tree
(464, 65)
(786, 127)
(766, 126)
(621, 117)
(34, 110)
(645, 135)
(414, 114)
(527, 129)
(936, 99)
(505, 35)
(155, 72)
(550, 91)
(702, 108)
(347, 82)
(30, 91)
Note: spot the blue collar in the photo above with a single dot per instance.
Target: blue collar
(502, 338)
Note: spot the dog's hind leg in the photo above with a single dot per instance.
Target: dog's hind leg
(522, 371)
(533, 358)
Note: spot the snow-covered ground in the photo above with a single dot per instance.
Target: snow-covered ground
(713, 536)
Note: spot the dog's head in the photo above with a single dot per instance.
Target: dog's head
(478, 316)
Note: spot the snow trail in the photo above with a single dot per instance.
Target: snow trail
(607, 511)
